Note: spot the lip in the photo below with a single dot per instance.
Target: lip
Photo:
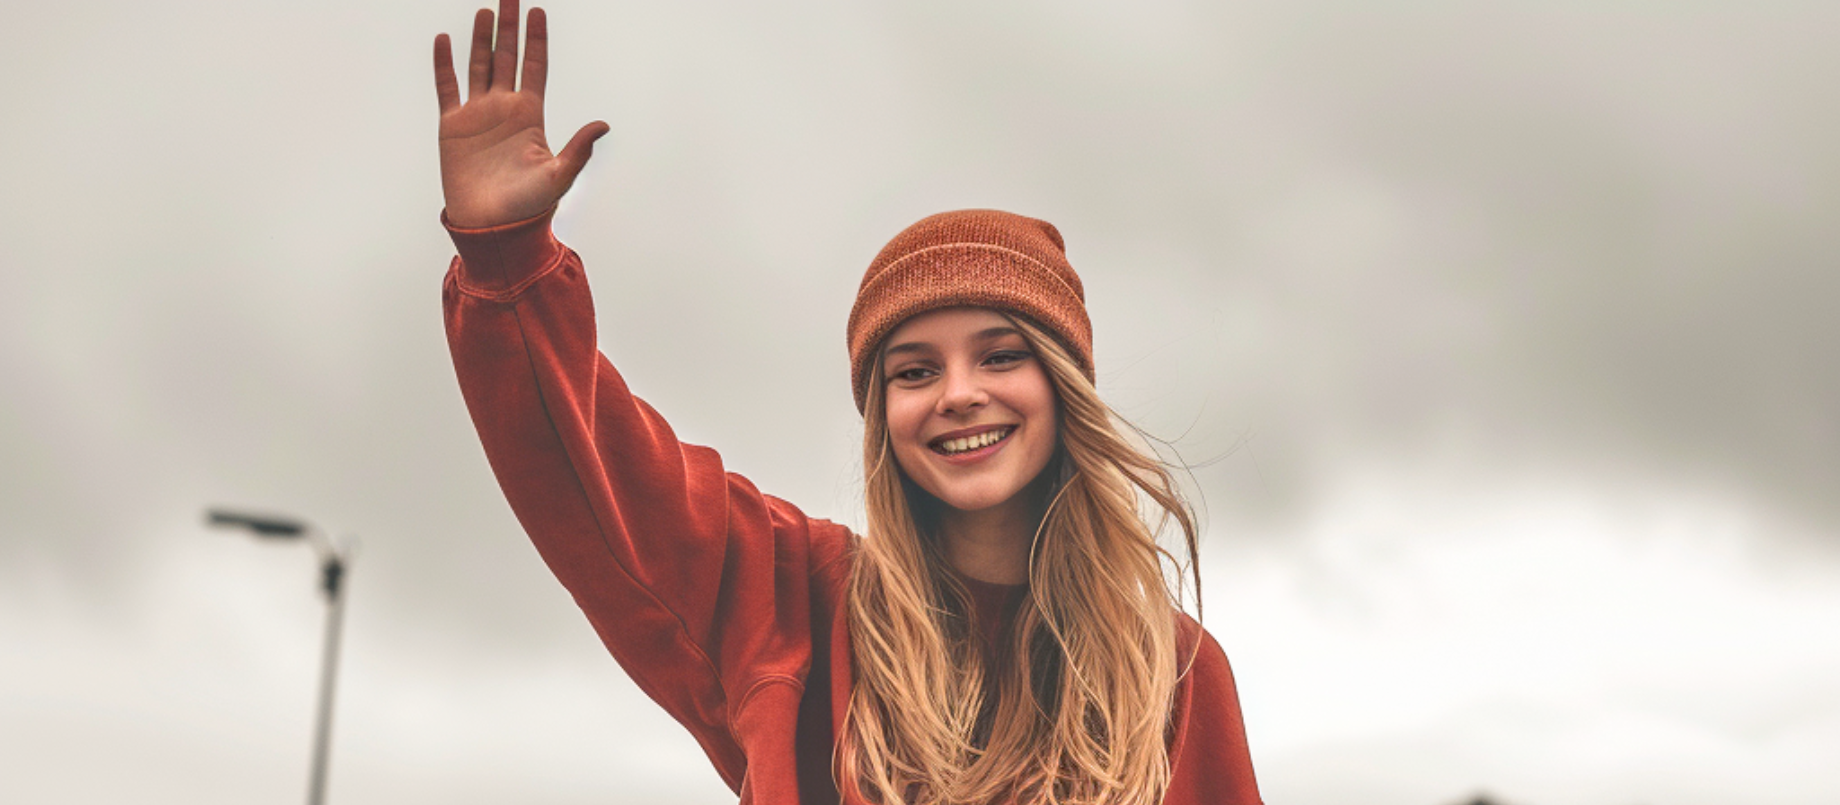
(971, 456)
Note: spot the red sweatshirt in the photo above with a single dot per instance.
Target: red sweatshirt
(723, 603)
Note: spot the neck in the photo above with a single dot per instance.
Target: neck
(988, 546)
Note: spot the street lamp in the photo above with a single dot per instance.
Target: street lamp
(332, 561)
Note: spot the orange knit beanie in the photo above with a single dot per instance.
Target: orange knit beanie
(975, 258)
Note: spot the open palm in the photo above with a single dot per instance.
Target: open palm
(496, 164)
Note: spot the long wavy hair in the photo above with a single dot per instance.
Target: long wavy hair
(1077, 708)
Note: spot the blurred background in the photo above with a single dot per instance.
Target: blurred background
(1503, 334)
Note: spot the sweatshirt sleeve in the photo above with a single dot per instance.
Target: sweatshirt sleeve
(698, 584)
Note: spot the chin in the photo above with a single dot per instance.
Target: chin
(973, 500)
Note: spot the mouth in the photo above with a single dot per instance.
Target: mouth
(964, 443)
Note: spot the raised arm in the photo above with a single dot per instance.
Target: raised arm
(496, 166)
(699, 585)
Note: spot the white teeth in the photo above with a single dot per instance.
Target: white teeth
(984, 439)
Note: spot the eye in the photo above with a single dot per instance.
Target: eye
(1006, 358)
(911, 374)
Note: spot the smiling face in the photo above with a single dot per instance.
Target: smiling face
(971, 412)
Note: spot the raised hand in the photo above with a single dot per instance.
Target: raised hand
(496, 166)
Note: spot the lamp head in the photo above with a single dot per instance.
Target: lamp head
(261, 525)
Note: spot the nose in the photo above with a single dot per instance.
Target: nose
(961, 392)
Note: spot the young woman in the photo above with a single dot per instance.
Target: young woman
(1004, 633)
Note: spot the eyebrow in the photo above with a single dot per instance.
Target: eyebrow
(987, 334)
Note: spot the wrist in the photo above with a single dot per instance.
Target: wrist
(493, 200)
(473, 216)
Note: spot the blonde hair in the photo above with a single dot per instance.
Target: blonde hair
(1081, 711)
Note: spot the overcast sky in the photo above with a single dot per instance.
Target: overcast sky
(1503, 335)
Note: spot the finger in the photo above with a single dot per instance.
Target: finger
(479, 67)
(446, 87)
(536, 53)
(575, 155)
(504, 59)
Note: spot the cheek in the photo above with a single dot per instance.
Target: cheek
(1042, 406)
(904, 415)
(1044, 450)
(1035, 395)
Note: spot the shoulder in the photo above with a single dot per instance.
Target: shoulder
(1191, 635)
(829, 546)
(1210, 761)
(1199, 655)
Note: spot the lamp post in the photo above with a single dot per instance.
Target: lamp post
(332, 561)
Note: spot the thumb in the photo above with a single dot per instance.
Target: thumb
(574, 156)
